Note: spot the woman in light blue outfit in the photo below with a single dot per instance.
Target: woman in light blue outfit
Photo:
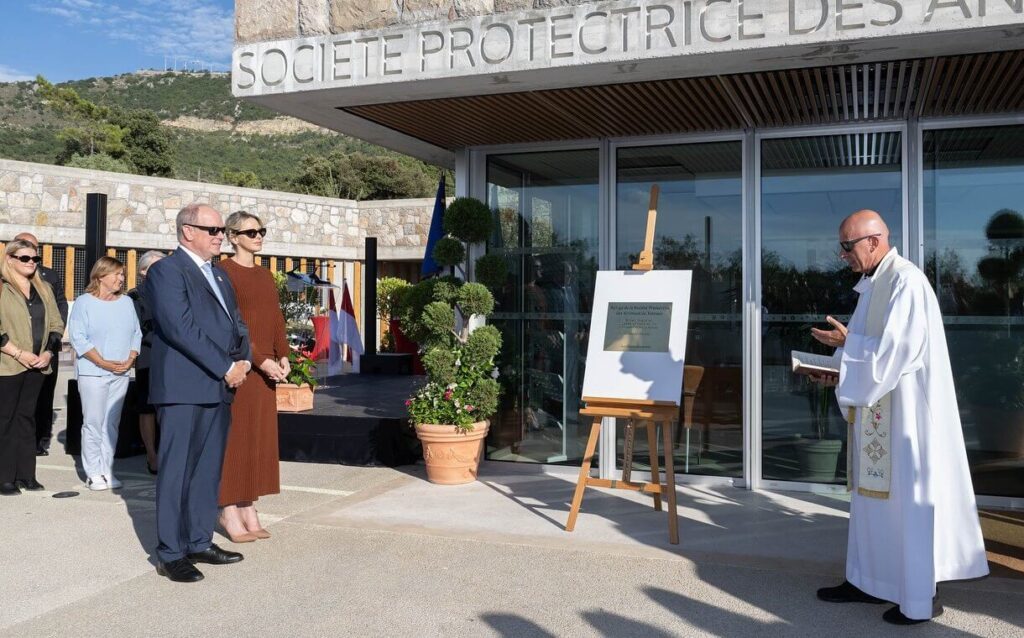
(105, 334)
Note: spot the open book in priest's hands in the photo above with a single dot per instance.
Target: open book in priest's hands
(810, 363)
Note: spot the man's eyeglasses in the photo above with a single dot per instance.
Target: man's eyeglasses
(252, 232)
(848, 245)
(35, 259)
(213, 230)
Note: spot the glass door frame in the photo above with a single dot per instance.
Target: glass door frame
(612, 171)
(918, 128)
(753, 254)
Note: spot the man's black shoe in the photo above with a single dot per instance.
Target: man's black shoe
(31, 485)
(214, 555)
(41, 451)
(180, 571)
(846, 593)
(9, 489)
(895, 617)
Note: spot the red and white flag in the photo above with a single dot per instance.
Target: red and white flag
(348, 331)
(334, 361)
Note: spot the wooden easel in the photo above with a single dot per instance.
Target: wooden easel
(638, 414)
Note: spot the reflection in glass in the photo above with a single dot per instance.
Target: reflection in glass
(547, 210)
(808, 185)
(974, 257)
(700, 215)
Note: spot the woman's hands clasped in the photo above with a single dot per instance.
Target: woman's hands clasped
(276, 371)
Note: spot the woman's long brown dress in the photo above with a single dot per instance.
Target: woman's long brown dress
(251, 459)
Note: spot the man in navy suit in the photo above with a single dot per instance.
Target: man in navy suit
(200, 354)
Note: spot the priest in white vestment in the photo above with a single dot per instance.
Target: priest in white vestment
(913, 515)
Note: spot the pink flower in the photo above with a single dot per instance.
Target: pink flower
(469, 408)
(408, 402)
(448, 395)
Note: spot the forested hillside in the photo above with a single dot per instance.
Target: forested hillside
(200, 132)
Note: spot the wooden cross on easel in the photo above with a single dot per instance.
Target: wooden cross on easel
(637, 414)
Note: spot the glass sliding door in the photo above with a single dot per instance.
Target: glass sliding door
(974, 257)
(546, 205)
(808, 185)
(700, 221)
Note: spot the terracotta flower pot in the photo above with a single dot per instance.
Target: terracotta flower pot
(452, 456)
(294, 398)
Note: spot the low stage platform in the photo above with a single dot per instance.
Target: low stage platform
(356, 420)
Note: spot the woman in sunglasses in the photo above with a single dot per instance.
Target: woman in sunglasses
(251, 458)
(30, 329)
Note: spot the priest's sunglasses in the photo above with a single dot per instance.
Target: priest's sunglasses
(848, 244)
(252, 232)
(35, 259)
(213, 230)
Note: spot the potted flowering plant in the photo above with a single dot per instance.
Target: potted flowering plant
(297, 394)
(450, 411)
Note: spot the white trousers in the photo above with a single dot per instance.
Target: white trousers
(102, 398)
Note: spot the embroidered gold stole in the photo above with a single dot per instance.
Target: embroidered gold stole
(874, 465)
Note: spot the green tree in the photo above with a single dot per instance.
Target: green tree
(245, 179)
(132, 135)
(100, 162)
(361, 176)
(147, 142)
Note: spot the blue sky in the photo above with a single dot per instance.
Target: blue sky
(74, 39)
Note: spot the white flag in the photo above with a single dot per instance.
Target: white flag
(334, 360)
(348, 331)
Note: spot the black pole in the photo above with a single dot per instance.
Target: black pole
(370, 302)
(95, 229)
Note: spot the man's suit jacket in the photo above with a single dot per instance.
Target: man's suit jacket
(194, 340)
(50, 276)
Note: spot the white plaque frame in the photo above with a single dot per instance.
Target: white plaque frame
(638, 376)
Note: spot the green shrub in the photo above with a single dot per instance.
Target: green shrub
(468, 219)
(449, 252)
(492, 271)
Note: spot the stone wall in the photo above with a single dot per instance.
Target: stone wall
(49, 201)
(260, 20)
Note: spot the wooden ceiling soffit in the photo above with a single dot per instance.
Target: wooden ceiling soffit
(944, 86)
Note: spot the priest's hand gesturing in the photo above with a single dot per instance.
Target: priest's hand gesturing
(835, 338)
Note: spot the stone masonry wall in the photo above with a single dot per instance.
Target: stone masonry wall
(49, 201)
(260, 20)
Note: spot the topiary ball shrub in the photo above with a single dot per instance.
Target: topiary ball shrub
(468, 219)
(449, 252)
(492, 271)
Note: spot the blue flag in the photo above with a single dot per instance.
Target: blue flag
(430, 267)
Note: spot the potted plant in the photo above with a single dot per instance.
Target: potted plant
(450, 411)
(819, 453)
(297, 394)
(389, 289)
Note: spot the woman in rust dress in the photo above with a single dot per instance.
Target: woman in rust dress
(251, 458)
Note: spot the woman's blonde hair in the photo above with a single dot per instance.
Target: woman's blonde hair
(234, 222)
(103, 267)
(7, 271)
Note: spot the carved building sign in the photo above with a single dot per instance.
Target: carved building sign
(591, 33)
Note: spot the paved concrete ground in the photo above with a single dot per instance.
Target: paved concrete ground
(380, 552)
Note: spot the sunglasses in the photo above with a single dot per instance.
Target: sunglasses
(848, 245)
(252, 232)
(35, 259)
(213, 230)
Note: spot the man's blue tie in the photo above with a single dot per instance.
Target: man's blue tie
(207, 269)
